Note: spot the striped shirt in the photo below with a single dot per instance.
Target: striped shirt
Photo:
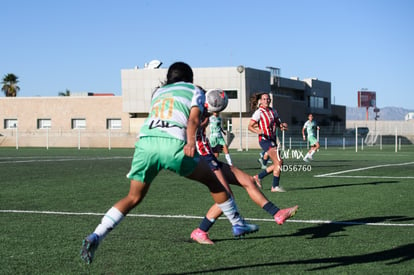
(202, 143)
(267, 119)
(170, 109)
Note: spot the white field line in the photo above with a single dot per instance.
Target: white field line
(335, 174)
(199, 217)
(61, 159)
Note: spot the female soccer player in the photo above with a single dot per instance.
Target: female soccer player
(264, 122)
(231, 175)
(310, 126)
(172, 123)
(216, 137)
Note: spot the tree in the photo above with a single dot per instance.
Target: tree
(10, 87)
(65, 93)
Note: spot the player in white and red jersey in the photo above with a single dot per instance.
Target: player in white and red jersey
(229, 174)
(264, 122)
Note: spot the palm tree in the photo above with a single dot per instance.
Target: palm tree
(65, 93)
(10, 87)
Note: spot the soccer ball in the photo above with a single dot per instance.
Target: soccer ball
(216, 100)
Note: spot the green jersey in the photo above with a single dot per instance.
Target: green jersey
(170, 109)
(215, 127)
(310, 127)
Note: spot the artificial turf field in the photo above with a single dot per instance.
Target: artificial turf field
(356, 216)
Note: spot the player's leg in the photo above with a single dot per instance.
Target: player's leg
(265, 145)
(200, 234)
(277, 165)
(112, 218)
(315, 148)
(236, 176)
(203, 174)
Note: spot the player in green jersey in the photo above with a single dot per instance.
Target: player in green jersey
(311, 127)
(217, 141)
(167, 140)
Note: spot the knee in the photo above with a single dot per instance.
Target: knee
(133, 200)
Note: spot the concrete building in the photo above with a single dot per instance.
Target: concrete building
(293, 98)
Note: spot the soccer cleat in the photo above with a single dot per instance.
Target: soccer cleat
(201, 237)
(277, 189)
(262, 165)
(241, 230)
(89, 246)
(282, 215)
(306, 159)
(258, 181)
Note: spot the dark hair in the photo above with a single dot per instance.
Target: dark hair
(254, 100)
(179, 71)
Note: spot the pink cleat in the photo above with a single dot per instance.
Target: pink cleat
(201, 237)
(282, 215)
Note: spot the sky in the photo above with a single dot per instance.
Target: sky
(82, 45)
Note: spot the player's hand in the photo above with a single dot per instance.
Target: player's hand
(189, 150)
(304, 138)
(283, 126)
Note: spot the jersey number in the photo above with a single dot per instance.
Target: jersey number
(163, 108)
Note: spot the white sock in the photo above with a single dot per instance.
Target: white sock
(228, 159)
(313, 152)
(230, 210)
(111, 219)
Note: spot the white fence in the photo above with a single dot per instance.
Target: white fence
(76, 138)
(381, 134)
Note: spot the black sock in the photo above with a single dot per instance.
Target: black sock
(206, 224)
(271, 208)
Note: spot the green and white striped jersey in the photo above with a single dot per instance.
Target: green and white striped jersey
(170, 109)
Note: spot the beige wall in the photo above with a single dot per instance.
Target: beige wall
(61, 110)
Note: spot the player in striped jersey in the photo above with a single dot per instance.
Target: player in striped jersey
(229, 174)
(264, 122)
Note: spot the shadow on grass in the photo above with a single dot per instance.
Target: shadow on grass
(326, 229)
(394, 256)
(344, 185)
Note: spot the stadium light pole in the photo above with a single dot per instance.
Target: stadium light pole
(240, 69)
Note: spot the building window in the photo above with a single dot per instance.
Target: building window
(231, 93)
(44, 123)
(113, 123)
(10, 123)
(316, 102)
(78, 123)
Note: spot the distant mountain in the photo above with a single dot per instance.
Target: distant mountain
(385, 113)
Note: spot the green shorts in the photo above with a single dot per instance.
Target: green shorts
(215, 141)
(312, 140)
(152, 154)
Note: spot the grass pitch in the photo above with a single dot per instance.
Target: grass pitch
(355, 215)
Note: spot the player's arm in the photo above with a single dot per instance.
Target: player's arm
(254, 127)
(282, 125)
(205, 120)
(303, 133)
(192, 125)
(222, 131)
